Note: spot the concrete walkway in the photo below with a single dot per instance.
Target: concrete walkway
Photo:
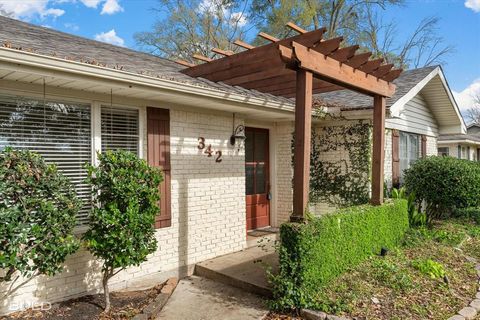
(198, 298)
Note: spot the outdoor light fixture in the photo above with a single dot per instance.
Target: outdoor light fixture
(238, 134)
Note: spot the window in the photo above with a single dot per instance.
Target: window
(409, 151)
(464, 153)
(120, 129)
(60, 132)
(443, 151)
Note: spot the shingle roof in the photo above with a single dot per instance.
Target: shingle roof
(353, 100)
(63, 45)
(50, 42)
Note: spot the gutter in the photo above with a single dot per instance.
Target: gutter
(16, 60)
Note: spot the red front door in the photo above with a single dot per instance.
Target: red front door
(257, 178)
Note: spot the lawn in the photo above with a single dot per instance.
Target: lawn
(428, 277)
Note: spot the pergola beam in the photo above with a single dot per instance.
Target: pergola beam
(268, 37)
(248, 56)
(294, 27)
(330, 70)
(242, 44)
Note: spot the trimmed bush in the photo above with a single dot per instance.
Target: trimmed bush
(313, 253)
(444, 184)
(121, 233)
(38, 207)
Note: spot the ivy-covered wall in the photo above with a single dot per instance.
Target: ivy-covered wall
(340, 164)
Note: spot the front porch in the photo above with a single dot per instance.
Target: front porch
(245, 269)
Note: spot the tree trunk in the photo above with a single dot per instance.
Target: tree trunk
(106, 276)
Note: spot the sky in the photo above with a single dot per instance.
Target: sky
(116, 21)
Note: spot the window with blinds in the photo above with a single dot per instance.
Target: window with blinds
(60, 132)
(409, 151)
(120, 129)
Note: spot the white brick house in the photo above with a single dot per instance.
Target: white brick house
(56, 99)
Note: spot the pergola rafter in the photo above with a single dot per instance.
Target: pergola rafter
(299, 67)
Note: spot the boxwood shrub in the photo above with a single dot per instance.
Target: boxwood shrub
(313, 253)
(444, 184)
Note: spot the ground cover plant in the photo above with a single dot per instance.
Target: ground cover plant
(121, 231)
(38, 207)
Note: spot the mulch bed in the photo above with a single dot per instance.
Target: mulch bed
(124, 305)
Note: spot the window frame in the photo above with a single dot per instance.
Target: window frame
(407, 136)
(443, 154)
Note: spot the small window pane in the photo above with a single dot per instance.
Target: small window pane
(120, 129)
(249, 146)
(260, 144)
(260, 179)
(249, 178)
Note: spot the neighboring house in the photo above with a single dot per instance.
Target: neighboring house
(68, 97)
(461, 146)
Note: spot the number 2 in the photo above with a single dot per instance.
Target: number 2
(219, 156)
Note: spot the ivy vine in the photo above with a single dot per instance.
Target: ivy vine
(344, 181)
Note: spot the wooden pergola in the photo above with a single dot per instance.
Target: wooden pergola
(299, 67)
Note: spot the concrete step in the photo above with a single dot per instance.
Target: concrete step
(244, 269)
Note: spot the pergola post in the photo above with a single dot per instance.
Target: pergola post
(303, 128)
(378, 156)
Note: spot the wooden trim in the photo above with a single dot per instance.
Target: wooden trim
(424, 145)
(378, 155)
(303, 132)
(158, 133)
(395, 158)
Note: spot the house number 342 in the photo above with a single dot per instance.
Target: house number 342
(208, 150)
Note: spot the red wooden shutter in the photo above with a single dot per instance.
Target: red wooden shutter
(158, 131)
(424, 146)
(395, 158)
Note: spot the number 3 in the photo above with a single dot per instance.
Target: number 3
(201, 143)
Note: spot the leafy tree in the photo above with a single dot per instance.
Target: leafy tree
(195, 27)
(121, 233)
(359, 22)
(38, 207)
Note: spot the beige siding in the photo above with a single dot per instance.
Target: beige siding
(415, 117)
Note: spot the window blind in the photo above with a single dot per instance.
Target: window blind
(60, 132)
(120, 129)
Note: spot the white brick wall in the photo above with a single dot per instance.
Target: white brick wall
(284, 171)
(208, 217)
(388, 159)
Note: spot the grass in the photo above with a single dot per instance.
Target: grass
(428, 277)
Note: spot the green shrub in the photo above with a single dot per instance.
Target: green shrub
(444, 184)
(126, 196)
(38, 207)
(415, 217)
(313, 253)
(468, 213)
